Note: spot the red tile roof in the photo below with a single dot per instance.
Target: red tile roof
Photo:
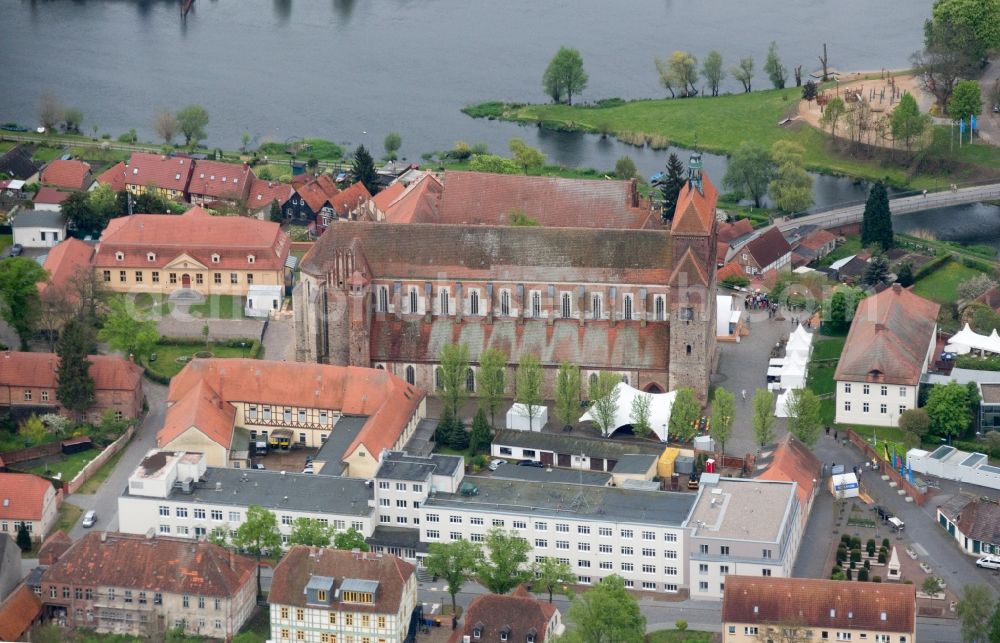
(729, 230)
(810, 602)
(197, 234)
(49, 196)
(263, 193)
(518, 614)
(113, 176)
(889, 338)
(479, 198)
(202, 408)
(292, 574)
(218, 180)
(349, 199)
(22, 496)
(17, 613)
(818, 239)
(695, 210)
(317, 192)
(768, 247)
(731, 269)
(160, 564)
(977, 519)
(384, 199)
(166, 172)
(71, 175)
(387, 400)
(792, 461)
(38, 370)
(68, 259)
(419, 202)
(54, 547)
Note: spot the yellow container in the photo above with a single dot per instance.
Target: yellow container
(665, 465)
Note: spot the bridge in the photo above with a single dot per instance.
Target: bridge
(900, 204)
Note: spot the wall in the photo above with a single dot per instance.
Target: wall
(96, 463)
(896, 397)
(31, 453)
(919, 497)
(111, 277)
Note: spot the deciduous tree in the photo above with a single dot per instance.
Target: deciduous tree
(494, 164)
(565, 75)
(455, 562)
(762, 416)
(965, 101)
(392, 143)
(33, 430)
(639, 415)
(907, 123)
(744, 73)
(50, 111)
(74, 385)
(712, 71)
(832, 114)
(350, 539)
(191, 121)
(126, 329)
(939, 65)
(809, 91)
(606, 613)
(454, 371)
(567, 396)
(528, 386)
(491, 387)
(505, 565)
(750, 171)
(723, 414)
(19, 278)
(876, 222)
(258, 535)
(791, 187)
(309, 531)
(363, 169)
(975, 608)
(682, 71)
(625, 168)
(804, 416)
(973, 26)
(777, 72)
(552, 575)
(684, 415)
(72, 119)
(166, 126)
(948, 409)
(526, 156)
(604, 401)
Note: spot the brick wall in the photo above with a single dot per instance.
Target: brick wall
(73, 485)
(919, 497)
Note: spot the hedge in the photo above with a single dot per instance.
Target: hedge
(254, 352)
(931, 266)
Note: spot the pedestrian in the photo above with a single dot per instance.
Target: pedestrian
(744, 394)
(925, 194)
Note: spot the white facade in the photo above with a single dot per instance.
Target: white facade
(39, 237)
(263, 300)
(321, 625)
(873, 404)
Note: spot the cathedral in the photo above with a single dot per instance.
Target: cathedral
(636, 302)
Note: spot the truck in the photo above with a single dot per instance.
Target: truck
(260, 447)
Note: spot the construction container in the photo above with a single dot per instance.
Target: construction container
(665, 465)
(684, 464)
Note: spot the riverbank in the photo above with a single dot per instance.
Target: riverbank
(720, 124)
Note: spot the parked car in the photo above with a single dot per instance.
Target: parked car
(882, 512)
(89, 518)
(259, 467)
(16, 250)
(495, 463)
(530, 463)
(896, 523)
(308, 469)
(989, 562)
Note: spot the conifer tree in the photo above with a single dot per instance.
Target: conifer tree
(876, 224)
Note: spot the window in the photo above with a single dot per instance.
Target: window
(766, 554)
(217, 278)
(649, 569)
(45, 396)
(567, 305)
(107, 275)
(606, 564)
(122, 276)
(119, 256)
(250, 258)
(199, 514)
(520, 524)
(847, 387)
(536, 304)
(413, 300)
(498, 522)
(702, 549)
(605, 549)
(843, 636)
(77, 593)
(627, 533)
(382, 301)
(883, 409)
(138, 276)
(724, 550)
(648, 552)
(215, 258)
(541, 526)
(433, 534)
(164, 510)
(443, 296)
(703, 586)
(628, 551)
(627, 307)
(864, 407)
(902, 408)
(866, 389)
(234, 278)
(473, 302)
(505, 303)
(583, 563)
(670, 571)
(596, 305)
(300, 614)
(884, 390)
(660, 306)
(562, 528)
(604, 531)
(847, 405)
(670, 537)
(541, 542)
(902, 391)
(185, 600)
(478, 520)
(562, 544)
(217, 514)
(164, 529)
(455, 535)
(750, 630)
(411, 375)
(628, 567)
(649, 535)
(470, 380)
(702, 568)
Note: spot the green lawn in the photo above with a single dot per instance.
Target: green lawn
(94, 483)
(167, 355)
(851, 246)
(828, 348)
(257, 629)
(152, 303)
(68, 515)
(677, 636)
(46, 154)
(68, 465)
(820, 380)
(5, 241)
(219, 307)
(942, 284)
(6, 145)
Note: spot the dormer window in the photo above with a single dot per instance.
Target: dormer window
(119, 256)
(212, 177)
(151, 256)
(250, 258)
(223, 179)
(177, 177)
(477, 631)
(530, 638)
(215, 258)
(135, 171)
(505, 633)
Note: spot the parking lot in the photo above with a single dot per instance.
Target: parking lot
(293, 460)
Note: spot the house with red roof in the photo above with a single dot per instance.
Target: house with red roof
(28, 500)
(347, 205)
(65, 262)
(67, 175)
(312, 197)
(517, 617)
(161, 253)
(49, 199)
(766, 252)
(28, 384)
(263, 193)
(114, 177)
(166, 176)
(413, 203)
(214, 405)
(19, 612)
(215, 182)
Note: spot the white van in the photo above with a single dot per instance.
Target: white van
(989, 562)
(89, 518)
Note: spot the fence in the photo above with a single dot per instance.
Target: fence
(919, 497)
(31, 453)
(85, 474)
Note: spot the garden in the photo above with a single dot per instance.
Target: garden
(171, 355)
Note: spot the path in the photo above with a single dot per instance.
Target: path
(989, 121)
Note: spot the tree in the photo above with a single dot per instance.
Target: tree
(75, 386)
(974, 611)
(19, 278)
(625, 168)
(750, 171)
(454, 371)
(712, 71)
(762, 416)
(349, 540)
(671, 184)
(994, 634)
(505, 565)
(907, 122)
(684, 415)
(191, 121)
(679, 71)
(975, 25)
(258, 535)
(491, 385)
(481, 435)
(275, 212)
(525, 155)
(363, 169)
(392, 143)
(606, 613)
(604, 396)
(50, 111)
(915, 421)
(551, 575)
(791, 187)
(904, 274)
(166, 126)
(219, 536)
(72, 119)
(455, 562)
(665, 74)
(494, 164)
(843, 302)
(458, 437)
(809, 91)
(948, 409)
(939, 65)
(639, 414)
(832, 113)
(876, 271)
(309, 531)
(976, 285)
(565, 75)
(103, 205)
(127, 330)
(33, 430)
(876, 222)
(744, 73)
(567, 408)
(528, 386)
(775, 70)
(23, 537)
(966, 100)
(723, 413)
(79, 213)
(804, 416)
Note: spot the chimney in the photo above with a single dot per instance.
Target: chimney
(896, 288)
(232, 559)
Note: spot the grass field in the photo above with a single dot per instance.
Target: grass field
(68, 465)
(942, 284)
(5, 241)
(677, 636)
(820, 380)
(851, 246)
(167, 355)
(91, 486)
(828, 348)
(46, 154)
(68, 515)
(219, 307)
(155, 305)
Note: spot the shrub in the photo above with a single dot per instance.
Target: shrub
(681, 625)
(849, 575)
(885, 543)
(855, 543)
(841, 555)
(863, 575)
(846, 539)
(855, 555)
(736, 281)
(868, 564)
(870, 546)
(932, 585)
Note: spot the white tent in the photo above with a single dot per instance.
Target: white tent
(967, 340)
(781, 404)
(518, 420)
(844, 485)
(799, 342)
(659, 409)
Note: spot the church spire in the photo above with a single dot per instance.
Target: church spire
(694, 172)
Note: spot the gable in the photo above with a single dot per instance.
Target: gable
(185, 262)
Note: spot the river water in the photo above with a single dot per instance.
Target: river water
(353, 70)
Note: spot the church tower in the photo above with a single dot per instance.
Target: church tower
(692, 283)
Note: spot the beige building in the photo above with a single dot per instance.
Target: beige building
(758, 609)
(327, 595)
(213, 255)
(144, 585)
(28, 500)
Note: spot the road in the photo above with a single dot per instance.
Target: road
(989, 122)
(900, 205)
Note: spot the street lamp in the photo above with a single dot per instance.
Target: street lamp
(243, 345)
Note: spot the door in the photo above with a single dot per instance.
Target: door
(597, 464)
(546, 458)
(186, 280)
(564, 460)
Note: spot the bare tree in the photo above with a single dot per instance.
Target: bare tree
(938, 68)
(166, 126)
(50, 111)
(54, 310)
(823, 61)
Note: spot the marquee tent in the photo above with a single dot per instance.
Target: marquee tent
(967, 340)
(659, 409)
